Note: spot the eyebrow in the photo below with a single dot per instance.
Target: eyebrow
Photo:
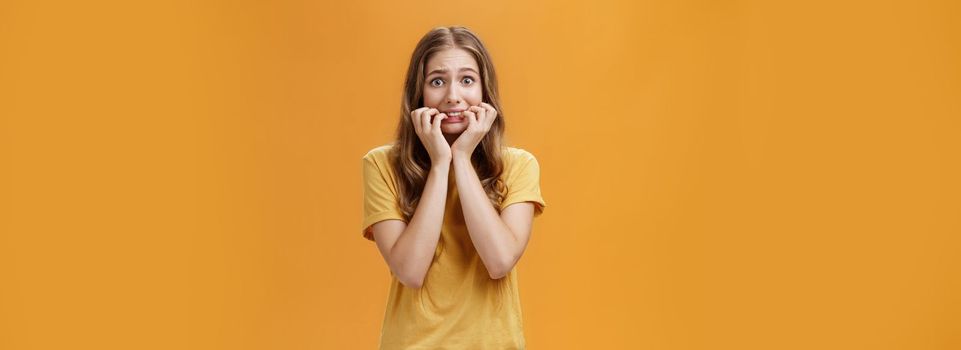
(444, 70)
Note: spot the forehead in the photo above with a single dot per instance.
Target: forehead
(451, 60)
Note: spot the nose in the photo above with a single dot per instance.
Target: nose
(453, 96)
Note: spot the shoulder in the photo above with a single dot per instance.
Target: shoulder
(518, 160)
(517, 155)
(378, 154)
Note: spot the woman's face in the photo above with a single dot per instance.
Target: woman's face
(452, 85)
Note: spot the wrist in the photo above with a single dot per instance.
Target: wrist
(456, 155)
(461, 159)
(462, 162)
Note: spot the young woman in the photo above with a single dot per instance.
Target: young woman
(449, 207)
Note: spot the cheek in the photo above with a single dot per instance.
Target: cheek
(475, 96)
(431, 99)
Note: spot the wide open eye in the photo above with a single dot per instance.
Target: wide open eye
(437, 82)
(468, 80)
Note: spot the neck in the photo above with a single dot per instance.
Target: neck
(451, 138)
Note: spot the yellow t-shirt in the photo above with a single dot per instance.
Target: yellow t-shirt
(459, 306)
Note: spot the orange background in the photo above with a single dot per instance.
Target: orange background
(719, 175)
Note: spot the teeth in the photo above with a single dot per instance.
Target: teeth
(454, 114)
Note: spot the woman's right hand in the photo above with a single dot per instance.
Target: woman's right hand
(430, 134)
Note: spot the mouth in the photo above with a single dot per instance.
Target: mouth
(454, 116)
(453, 119)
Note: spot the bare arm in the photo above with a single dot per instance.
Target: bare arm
(500, 240)
(408, 248)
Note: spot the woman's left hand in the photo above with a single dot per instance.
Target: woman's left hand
(479, 121)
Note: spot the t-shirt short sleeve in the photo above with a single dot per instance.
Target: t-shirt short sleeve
(380, 199)
(523, 182)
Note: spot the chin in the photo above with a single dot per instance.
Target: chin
(452, 129)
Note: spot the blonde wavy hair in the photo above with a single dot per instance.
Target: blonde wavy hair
(408, 157)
